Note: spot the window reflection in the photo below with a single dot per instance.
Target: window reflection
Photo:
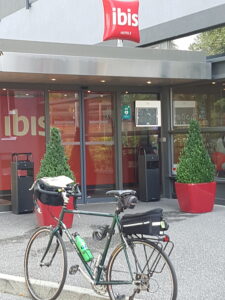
(22, 130)
(65, 115)
(215, 144)
(204, 103)
(99, 143)
(134, 137)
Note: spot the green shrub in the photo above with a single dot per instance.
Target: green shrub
(55, 162)
(195, 165)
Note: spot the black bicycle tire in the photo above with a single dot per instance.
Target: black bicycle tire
(119, 248)
(27, 252)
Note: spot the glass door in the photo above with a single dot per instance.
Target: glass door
(134, 138)
(64, 111)
(99, 143)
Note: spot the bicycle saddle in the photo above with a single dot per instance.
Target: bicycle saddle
(121, 193)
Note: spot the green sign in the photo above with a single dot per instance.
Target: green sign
(126, 112)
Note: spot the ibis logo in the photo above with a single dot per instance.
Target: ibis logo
(124, 18)
(121, 20)
(19, 125)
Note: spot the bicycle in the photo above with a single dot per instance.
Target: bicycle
(138, 268)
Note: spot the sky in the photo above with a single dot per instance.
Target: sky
(183, 43)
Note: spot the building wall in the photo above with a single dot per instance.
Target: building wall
(82, 22)
(10, 6)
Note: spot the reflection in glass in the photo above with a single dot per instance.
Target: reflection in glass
(204, 103)
(22, 130)
(133, 138)
(99, 143)
(65, 115)
(215, 144)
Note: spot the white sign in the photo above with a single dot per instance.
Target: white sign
(148, 113)
(184, 111)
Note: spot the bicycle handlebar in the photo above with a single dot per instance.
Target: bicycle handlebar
(126, 198)
(69, 189)
(39, 189)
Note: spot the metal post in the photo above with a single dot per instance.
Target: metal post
(119, 43)
(28, 4)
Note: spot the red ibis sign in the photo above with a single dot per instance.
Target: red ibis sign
(121, 20)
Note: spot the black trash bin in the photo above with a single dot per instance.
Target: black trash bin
(148, 176)
(22, 178)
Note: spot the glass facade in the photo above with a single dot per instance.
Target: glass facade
(134, 137)
(98, 136)
(64, 113)
(87, 124)
(22, 130)
(204, 103)
(99, 143)
(207, 105)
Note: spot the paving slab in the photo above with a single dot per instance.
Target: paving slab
(198, 256)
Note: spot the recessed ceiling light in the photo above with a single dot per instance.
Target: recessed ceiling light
(27, 94)
(4, 89)
(53, 79)
(148, 82)
(65, 95)
(213, 82)
(126, 92)
(89, 92)
(102, 81)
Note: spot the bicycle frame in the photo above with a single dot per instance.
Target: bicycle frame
(115, 222)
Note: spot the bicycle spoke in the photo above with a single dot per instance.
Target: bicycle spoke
(144, 257)
(45, 271)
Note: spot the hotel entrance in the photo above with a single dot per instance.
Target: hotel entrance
(87, 128)
(101, 139)
(137, 138)
(102, 147)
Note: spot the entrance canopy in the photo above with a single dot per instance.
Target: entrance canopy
(40, 62)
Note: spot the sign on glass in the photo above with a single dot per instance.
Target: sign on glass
(147, 113)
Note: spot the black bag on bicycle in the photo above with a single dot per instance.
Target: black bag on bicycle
(148, 223)
(45, 184)
(48, 199)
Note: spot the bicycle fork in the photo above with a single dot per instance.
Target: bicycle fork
(48, 264)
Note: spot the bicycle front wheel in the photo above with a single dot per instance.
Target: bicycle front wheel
(148, 272)
(45, 275)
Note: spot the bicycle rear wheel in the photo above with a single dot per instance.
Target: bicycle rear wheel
(45, 279)
(153, 274)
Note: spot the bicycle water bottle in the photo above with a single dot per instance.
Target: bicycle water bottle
(83, 248)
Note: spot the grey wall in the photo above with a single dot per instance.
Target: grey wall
(68, 21)
(8, 7)
(81, 22)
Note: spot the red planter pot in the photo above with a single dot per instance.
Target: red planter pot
(196, 198)
(45, 214)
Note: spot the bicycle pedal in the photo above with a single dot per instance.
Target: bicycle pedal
(73, 269)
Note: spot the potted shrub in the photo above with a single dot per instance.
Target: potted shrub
(195, 185)
(54, 164)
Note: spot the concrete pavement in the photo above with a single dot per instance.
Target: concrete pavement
(4, 296)
(198, 256)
